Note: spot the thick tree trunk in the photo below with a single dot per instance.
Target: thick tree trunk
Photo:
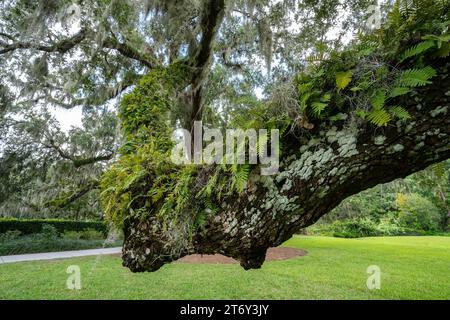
(336, 163)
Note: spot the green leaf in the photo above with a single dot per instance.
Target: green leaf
(379, 117)
(444, 51)
(399, 91)
(362, 113)
(418, 49)
(400, 113)
(242, 175)
(343, 79)
(439, 39)
(439, 169)
(378, 100)
(318, 108)
(338, 117)
(366, 52)
(416, 77)
(326, 97)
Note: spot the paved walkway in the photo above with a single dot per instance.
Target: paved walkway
(58, 255)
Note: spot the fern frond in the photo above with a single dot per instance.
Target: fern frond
(418, 49)
(262, 145)
(378, 100)
(399, 91)
(400, 113)
(318, 108)
(241, 177)
(395, 16)
(439, 169)
(407, 7)
(416, 77)
(379, 117)
(343, 79)
(444, 51)
(439, 39)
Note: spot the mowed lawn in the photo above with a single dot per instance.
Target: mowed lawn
(411, 268)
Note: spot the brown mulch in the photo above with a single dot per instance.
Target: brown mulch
(273, 254)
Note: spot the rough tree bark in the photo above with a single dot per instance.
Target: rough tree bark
(334, 164)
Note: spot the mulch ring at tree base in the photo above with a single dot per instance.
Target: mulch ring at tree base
(273, 254)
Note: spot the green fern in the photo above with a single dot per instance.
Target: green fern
(319, 106)
(418, 49)
(444, 51)
(407, 7)
(241, 174)
(440, 40)
(400, 113)
(395, 16)
(378, 100)
(379, 117)
(439, 170)
(262, 145)
(343, 79)
(416, 77)
(399, 91)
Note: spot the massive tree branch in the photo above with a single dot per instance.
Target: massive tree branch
(129, 51)
(336, 163)
(78, 162)
(211, 20)
(62, 46)
(64, 201)
(65, 45)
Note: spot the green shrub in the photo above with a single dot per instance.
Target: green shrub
(358, 228)
(10, 235)
(72, 235)
(49, 233)
(355, 228)
(417, 212)
(36, 226)
(91, 234)
(389, 227)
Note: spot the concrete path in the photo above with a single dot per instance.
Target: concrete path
(59, 255)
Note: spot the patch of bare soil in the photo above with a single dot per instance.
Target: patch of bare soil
(273, 254)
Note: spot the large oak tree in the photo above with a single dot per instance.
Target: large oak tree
(351, 116)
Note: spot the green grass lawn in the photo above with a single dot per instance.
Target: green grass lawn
(412, 268)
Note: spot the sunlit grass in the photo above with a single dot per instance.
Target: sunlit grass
(412, 268)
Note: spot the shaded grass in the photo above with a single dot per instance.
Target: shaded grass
(412, 268)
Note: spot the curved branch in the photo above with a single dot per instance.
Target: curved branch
(129, 52)
(63, 202)
(78, 162)
(81, 162)
(62, 46)
(65, 45)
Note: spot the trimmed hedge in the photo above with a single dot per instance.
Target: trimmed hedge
(27, 226)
